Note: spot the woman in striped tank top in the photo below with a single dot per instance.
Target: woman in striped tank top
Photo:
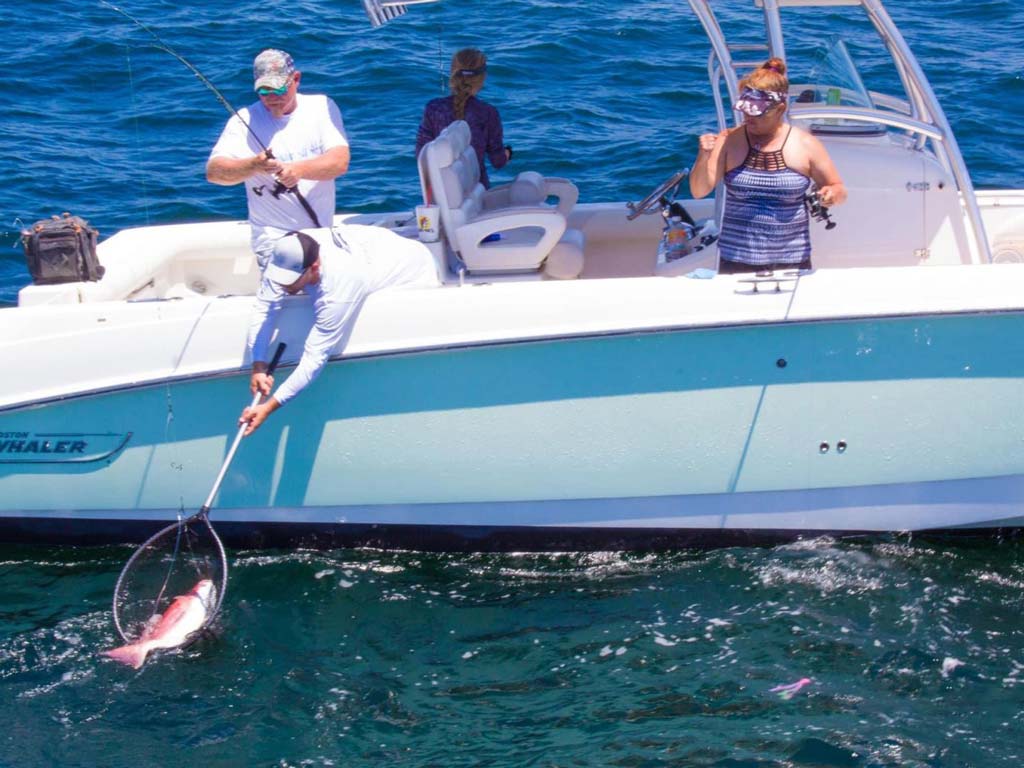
(768, 166)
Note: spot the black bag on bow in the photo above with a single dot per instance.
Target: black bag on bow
(61, 249)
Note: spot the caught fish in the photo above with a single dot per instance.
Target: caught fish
(186, 615)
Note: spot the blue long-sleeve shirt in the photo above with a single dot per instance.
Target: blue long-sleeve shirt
(484, 126)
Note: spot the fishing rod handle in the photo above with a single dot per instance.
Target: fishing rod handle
(269, 154)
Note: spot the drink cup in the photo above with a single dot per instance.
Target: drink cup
(427, 222)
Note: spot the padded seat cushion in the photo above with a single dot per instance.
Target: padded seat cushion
(527, 189)
(565, 262)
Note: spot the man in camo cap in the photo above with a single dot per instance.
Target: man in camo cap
(290, 185)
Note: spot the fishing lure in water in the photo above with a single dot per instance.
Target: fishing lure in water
(787, 692)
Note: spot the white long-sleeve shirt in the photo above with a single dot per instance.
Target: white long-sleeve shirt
(370, 259)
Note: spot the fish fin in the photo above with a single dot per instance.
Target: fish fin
(132, 655)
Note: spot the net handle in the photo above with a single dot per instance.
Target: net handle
(203, 514)
(205, 510)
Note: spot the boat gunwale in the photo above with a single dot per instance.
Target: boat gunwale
(335, 359)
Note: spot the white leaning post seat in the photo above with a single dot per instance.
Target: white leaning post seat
(531, 234)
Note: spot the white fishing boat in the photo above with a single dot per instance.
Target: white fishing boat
(627, 404)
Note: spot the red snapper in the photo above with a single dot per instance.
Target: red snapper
(186, 615)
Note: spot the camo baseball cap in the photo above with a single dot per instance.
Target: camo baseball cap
(272, 68)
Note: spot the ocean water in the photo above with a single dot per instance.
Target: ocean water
(610, 94)
(914, 650)
(915, 653)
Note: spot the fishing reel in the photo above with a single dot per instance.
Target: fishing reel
(818, 210)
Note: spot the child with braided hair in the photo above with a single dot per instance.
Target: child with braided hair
(468, 72)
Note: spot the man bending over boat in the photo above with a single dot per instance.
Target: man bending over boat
(768, 167)
(290, 185)
(337, 269)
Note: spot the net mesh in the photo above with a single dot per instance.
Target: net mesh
(167, 565)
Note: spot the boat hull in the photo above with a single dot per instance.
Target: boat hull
(676, 435)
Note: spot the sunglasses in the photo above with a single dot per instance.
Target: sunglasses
(264, 91)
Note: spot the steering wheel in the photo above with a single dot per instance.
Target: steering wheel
(649, 203)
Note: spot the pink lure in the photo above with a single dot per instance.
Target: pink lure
(186, 615)
(786, 692)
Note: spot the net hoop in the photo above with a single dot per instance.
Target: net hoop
(180, 526)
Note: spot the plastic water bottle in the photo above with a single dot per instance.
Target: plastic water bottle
(675, 240)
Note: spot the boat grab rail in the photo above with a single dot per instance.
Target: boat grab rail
(884, 100)
(716, 74)
(865, 115)
(878, 100)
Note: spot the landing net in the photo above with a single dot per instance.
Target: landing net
(167, 565)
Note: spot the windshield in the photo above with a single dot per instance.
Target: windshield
(833, 79)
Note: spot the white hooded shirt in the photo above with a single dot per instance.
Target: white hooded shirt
(355, 261)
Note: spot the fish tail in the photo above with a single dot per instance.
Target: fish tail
(133, 655)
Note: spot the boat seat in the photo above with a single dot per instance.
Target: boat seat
(509, 229)
(530, 188)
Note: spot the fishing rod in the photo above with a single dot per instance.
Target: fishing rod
(161, 45)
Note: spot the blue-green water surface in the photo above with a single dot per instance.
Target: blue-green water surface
(915, 649)
(609, 93)
(915, 652)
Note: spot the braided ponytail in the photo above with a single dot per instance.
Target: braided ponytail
(469, 68)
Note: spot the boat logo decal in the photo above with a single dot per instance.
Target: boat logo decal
(60, 447)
